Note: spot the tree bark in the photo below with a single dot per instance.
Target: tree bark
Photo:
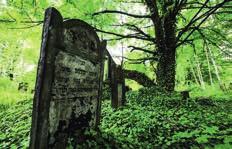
(166, 70)
(167, 62)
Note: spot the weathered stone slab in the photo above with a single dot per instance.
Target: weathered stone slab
(69, 81)
(117, 83)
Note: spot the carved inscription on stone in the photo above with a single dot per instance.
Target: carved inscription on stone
(74, 77)
(74, 93)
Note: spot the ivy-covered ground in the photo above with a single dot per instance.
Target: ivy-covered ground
(150, 120)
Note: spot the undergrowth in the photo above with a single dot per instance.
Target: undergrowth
(9, 93)
(151, 119)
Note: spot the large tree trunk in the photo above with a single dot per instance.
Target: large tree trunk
(166, 70)
(165, 35)
(167, 62)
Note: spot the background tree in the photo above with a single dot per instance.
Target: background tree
(21, 24)
(168, 25)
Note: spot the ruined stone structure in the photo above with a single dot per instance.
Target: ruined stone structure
(117, 83)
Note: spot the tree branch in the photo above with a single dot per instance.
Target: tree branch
(125, 36)
(152, 5)
(178, 6)
(205, 39)
(141, 49)
(193, 20)
(137, 29)
(138, 60)
(120, 12)
(26, 27)
(208, 14)
(6, 21)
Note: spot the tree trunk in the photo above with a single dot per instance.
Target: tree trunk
(166, 70)
(222, 86)
(207, 58)
(202, 83)
(165, 38)
(215, 66)
(167, 62)
(194, 74)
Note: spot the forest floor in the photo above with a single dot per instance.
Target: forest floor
(150, 119)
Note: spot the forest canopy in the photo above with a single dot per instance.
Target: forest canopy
(200, 49)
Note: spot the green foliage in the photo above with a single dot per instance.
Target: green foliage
(9, 92)
(214, 92)
(21, 29)
(167, 121)
(15, 125)
(141, 67)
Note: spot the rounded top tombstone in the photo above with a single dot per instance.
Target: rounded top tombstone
(81, 39)
(68, 83)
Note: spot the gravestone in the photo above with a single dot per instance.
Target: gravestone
(69, 82)
(117, 83)
(118, 87)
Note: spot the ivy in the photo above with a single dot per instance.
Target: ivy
(152, 120)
